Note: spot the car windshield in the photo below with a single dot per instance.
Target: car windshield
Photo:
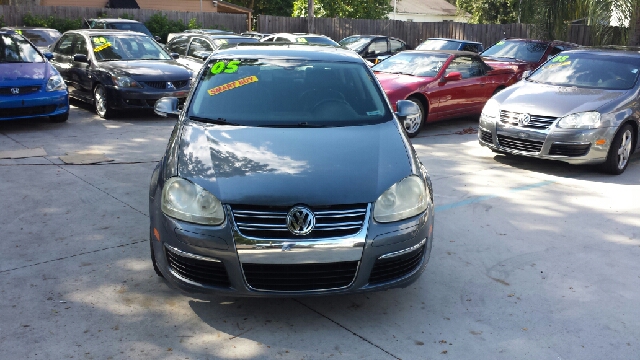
(320, 40)
(413, 63)
(15, 49)
(355, 43)
(40, 37)
(126, 47)
(586, 70)
(288, 93)
(529, 51)
(438, 44)
(130, 26)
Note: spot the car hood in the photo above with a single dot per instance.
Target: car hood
(516, 65)
(150, 70)
(18, 74)
(287, 166)
(392, 82)
(556, 101)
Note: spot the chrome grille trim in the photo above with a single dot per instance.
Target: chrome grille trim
(536, 122)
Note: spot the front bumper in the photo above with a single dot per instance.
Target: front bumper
(41, 103)
(145, 98)
(573, 146)
(212, 256)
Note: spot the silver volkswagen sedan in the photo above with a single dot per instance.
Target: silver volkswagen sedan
(580, 107)
(288, 173)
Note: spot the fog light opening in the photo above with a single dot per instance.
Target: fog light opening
(156, 234)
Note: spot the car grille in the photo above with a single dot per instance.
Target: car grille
(300, 277)
(396, 267)
(23, 90)
(271, 222)
(27, 111)
(518, 144)
(210, 273)
(163, 84)
(569, 149)
(536, 122)
(486, 136)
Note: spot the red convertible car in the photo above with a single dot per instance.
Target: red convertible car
(444, 84)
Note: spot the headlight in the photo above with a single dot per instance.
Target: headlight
(125, 81)
(403, 200)
(585, 120)
(491, 110)
(184, 200)
(56, 83)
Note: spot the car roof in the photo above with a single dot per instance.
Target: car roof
(116, 20)
(612, 50)
(26, 28)
(291, 51)
(298, 34)
(551, 42)
(106, 32)
(456, 40)
(448, 52)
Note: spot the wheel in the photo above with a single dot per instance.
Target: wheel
(59, 118)
(101, 102)
(153, 258)
(412, 125)
(619, 151)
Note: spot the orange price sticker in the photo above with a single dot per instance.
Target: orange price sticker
(232, 85)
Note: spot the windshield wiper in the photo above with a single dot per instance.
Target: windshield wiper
(218, 121)
(298, 125)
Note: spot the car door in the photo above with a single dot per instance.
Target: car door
(80, 71)
(377, 47)
(197, 45)
(63, 56)
(460, 97)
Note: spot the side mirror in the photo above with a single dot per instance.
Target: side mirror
(175, 55)
(526, 74)
(406, 108)
(202, 55)
(453, 76)
(80, 58)
(167, 107)
(48, 55)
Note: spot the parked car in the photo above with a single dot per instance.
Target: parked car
(302, 38)
(39, 36)
(523, 54)
(374, 47)
(255, 34)
(120, 24)
(29, 85)
(195, 48)
(118, 70)
(580, 107)
(310, 188)
(450, 44)
(444, 84)
(200, 31)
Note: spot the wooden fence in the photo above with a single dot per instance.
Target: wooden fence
(416, 32)
(13, 15)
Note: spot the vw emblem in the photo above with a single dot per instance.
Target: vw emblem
(300, 220)
(170, 85)
(15, 91)
(524, 119)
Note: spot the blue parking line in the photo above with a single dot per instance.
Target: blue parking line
(478, 199)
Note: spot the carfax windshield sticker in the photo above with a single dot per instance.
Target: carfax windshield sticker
(101, 47)
(301, 40)
(232, 85)
(228, 68)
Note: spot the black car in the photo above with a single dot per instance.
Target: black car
(118, 70)
(372, 47)
(39, 36)
(119, 24)
(194, 48)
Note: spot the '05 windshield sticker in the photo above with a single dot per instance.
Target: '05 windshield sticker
(101, 47)
(232, 85)
(221, 66)
(560, 59)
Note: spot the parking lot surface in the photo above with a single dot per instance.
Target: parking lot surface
(531, 260)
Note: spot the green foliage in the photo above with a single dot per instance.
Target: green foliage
(194, 24)
(351, 9)
(267, 7)
(127, 16)
(160, 25)
(2, 21)
(490, 11)
(61, 25)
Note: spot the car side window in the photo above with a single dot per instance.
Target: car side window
(470, 47)
(555, 51)
(80, 46)
(282, 39)
(65, 45)
(198, 45)
(467, 66)
(378, 46)
(396, 46)
(178, 45)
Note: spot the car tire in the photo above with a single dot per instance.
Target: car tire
(153, 258)
(413, 125)
(59, 118)
(101, 102)
(619, 151)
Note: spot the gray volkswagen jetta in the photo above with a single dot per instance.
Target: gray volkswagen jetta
(580, 107)
(287, 173)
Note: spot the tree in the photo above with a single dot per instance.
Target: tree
(351, 9)
(490, 11)
(267, 7)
